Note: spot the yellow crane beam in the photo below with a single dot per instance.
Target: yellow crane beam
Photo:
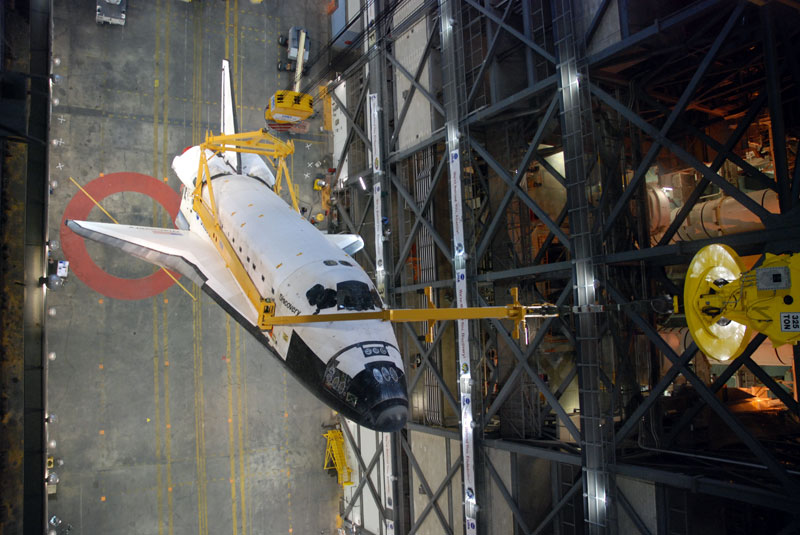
(515, 312)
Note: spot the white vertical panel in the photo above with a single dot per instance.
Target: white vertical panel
(339, 131)
(409, 48)
(372, 518)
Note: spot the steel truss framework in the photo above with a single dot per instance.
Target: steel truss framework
(653, 84)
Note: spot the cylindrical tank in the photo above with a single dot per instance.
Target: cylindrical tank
(716, 217)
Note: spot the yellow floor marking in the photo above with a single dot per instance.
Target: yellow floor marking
(165, 92)
(239, 426)
(244, 417)
(231, 439)
(286, 451)
(168, 434)
(157, 401)
(199, 412)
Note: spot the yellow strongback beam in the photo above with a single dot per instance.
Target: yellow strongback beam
(258, 142)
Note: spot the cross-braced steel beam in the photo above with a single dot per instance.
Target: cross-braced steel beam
(415, 83)
(489, 57)
(683, 154)
(426, 363)
(523, 365)
(487, 12)
(366, 471)
(420, 216)
(512, 504)
(420, 68)
(426, 487)
(523, 195)
(683, 101)
(776, 469)
(522, 169)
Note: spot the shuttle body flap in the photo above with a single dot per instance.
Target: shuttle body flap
(179, 250)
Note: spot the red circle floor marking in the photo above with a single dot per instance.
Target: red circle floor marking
(74, 246)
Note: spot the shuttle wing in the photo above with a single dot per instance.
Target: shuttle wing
(178, 250)
(349, 243)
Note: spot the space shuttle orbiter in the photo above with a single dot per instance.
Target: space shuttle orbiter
(355, 367)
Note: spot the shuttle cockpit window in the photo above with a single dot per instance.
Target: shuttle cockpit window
(354, 295)
(349, 295)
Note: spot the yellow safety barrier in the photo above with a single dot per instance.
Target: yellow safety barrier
(335, 457)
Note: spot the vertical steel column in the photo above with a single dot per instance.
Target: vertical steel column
(376, 96)
(576, 131)
(454, 97)
(376, 99)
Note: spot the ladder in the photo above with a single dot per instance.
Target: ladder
(335, 457)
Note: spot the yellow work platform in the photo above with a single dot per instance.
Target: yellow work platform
(335, 457)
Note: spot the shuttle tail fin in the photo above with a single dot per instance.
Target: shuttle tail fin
(228, 123)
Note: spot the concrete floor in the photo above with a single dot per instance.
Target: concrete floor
(169, 417)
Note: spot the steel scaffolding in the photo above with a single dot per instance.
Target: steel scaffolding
(584, 98)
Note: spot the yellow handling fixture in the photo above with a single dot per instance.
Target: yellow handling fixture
(258, 142)
(724, 303)
(335, 457)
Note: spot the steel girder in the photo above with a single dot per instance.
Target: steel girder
(632, 514)
(715, 387)
(355, 230)
(722, 155)
(420, 219)
(489, 58)
(351, 130)
(524, 365)
(526, 40)
(432, 497)
(507, 496)
(350, 120)
(683, 101)
(420, 67)
(366, 470)
(415, 83)
(514, 183)
(683, 16)
(761, 453)
(577, 136)
(514, 186)
(682, 154)
(426, 362)
(775, 108)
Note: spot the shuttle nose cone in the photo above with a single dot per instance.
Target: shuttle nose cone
(391, 419)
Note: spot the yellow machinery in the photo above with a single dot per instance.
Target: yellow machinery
(516, 312)
(724, 304)
(335, 457)
(258, 142)
(287, 107)
(263, 143)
